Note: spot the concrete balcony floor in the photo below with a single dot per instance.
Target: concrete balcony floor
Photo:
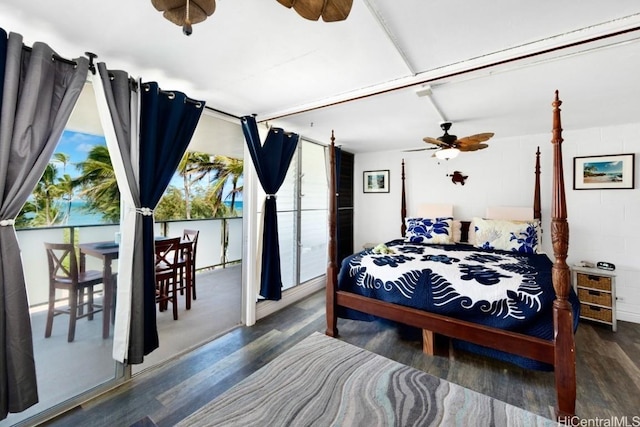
(65, 369)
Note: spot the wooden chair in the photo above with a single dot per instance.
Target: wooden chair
(65, 275)
(191, 236)
(167, 268)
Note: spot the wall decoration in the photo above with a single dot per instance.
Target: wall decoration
(614, 171)
(376, 181)
(458, 178)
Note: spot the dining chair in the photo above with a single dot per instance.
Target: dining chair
(64, 275)
(189, 235)
(167, 253)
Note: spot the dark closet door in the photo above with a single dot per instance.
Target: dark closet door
(345, 206)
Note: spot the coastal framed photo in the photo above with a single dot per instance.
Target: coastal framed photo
(376, 181)
(614, 171)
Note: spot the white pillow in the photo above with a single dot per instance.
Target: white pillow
(429, 230)
(506, 235)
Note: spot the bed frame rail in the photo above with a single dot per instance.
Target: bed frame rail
(531, 347)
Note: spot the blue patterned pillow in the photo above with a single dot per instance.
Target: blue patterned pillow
(514, 236)
(429, 230)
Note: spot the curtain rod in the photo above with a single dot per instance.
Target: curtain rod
(233, 116)
(54, 56)
(134, 85)
(172, 95)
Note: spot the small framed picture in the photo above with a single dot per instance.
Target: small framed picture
(376, 181)
(615, 171)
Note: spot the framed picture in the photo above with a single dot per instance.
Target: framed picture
(376, 181)
(615, 171)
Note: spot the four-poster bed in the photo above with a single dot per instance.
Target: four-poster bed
(557, 351)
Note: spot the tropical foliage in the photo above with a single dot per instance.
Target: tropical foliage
(206, 182)
(98, 186)
(43, 209)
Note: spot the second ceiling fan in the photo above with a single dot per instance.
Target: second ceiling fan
(449, 146)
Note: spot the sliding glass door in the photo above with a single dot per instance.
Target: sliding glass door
(302, 216)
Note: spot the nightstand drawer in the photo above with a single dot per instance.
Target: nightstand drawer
(593, 281)
(596, 313)
(594, 297)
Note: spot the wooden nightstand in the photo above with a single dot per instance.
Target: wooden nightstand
(596, 290)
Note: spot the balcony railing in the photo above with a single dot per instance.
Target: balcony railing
(219, 244)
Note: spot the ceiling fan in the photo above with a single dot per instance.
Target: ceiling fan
(449, 146)
(185, 13)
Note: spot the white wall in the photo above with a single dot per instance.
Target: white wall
(604, 224)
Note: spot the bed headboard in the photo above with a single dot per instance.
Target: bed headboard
(509, 212)
(433, 210)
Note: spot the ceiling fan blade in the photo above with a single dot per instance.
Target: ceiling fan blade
(472, 147)
(474, 139)
(421, 149)
(330, 10)
(434, 141)
(337, 10)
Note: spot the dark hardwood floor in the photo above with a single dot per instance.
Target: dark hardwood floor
(608, 367)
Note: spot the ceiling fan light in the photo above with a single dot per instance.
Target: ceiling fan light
(447, 153)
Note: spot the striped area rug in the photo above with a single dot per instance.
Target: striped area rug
(323, 381)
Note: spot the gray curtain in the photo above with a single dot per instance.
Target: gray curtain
(121, 113)
(144, 162)
(38, 96)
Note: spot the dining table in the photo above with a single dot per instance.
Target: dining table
(107, 251)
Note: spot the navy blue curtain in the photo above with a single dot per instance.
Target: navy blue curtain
(271, 161)
(167, 123)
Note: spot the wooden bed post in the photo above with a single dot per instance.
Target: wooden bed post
(332, 267)
(565, 357)
(403, 206)
(537, 211)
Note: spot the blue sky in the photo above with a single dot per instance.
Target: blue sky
(77, 145)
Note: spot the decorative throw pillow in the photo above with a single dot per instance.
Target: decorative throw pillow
(471, 238)
(514, 236)
(429, 230)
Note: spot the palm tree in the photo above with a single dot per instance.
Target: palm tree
(188, 166)
(65, 182)
(66, 186)
(224, 169)
(45, 196)
(229, 169)
(98, 184)
(63, 158)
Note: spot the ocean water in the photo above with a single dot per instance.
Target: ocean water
(78, 216)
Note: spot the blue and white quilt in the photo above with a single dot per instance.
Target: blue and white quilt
(506, 290)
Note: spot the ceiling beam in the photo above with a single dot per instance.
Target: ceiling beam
(380, 21)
